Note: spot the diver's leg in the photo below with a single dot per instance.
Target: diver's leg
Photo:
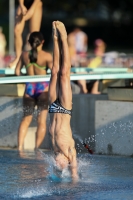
(65, 92)
(53, 86)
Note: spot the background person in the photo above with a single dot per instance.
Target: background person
(36, 62)
(27, 10)
(60, 100)
(99, 50)
(78, 45)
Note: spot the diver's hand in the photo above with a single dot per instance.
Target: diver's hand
(74, 174)
(75, 178)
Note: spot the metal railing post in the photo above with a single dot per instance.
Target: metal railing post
(11, 26)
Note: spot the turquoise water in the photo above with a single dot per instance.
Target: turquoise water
(32, 175)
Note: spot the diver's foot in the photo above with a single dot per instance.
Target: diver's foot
(54, 31)
(62, 30)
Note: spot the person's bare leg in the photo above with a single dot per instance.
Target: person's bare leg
(31, 10)
(20, 22)
(19, 27)
(65, 92)
(65, 96)
(82, 84)
(35, 20)
(53, 86)
(34, 23)
(95, 88)
(41, 128)
(23, 130)
(54, 80)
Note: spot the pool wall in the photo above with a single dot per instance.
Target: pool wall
(114, 127)
(107, 125)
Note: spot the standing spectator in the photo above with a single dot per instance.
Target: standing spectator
(99, 51)
(36, 94)
(78, 44)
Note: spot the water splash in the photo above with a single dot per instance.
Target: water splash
(78, 137)
(84, 143)
(54, 174)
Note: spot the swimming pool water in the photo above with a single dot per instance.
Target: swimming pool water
(32, 175)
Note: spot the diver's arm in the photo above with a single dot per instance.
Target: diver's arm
(51, 132)
(73, 165)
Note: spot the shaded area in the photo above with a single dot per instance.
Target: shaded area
(109, 20)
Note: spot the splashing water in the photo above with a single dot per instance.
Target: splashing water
(54, 174)
(83, 143)
(27, 177)
(78, 137)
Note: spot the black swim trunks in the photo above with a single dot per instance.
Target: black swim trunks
(28, 3)
(56, 107)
